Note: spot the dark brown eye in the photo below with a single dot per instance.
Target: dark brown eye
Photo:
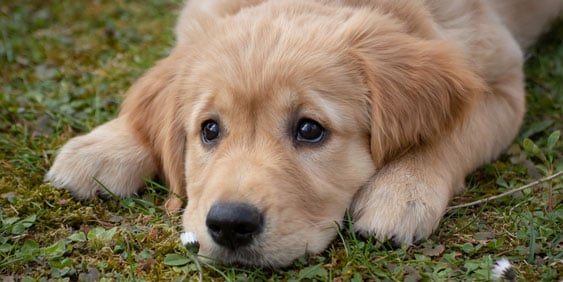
(309, 131)
(210, 131)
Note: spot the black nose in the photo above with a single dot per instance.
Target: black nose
(234, 225)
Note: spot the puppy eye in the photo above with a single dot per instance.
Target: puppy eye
(309, 131)
(210, 131)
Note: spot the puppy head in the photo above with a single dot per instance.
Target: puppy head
(277, 142)
(286, 111)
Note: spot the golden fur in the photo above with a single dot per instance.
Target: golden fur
(413, 95)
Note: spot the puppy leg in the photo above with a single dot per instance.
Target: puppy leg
(111, 154)
(406, 199)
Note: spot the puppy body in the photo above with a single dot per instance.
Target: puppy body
(412, 96)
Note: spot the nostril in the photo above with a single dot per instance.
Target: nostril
(244, 229)
(234, 225)
(214, 227)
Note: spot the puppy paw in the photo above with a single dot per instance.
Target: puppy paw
(173, 205)
(400, 205)
(108, 156)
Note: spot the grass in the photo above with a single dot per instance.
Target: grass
(64, 65)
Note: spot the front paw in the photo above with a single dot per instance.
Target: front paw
(107, 160)
(400, 204)
(76, 168)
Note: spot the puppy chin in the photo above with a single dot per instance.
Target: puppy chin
(251, 255)
(218, 254)
(244, 256)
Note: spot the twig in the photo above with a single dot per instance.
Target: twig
(558, 174)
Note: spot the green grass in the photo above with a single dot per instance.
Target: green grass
(65, 64)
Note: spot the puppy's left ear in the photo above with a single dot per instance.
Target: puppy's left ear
(419, 88)
(152, 109)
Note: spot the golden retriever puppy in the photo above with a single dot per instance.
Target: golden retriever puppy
(275, 117)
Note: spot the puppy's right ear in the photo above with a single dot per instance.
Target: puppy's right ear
(151, 107)
(419, 88)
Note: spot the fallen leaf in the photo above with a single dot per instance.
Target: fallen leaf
(433, 251)
(8, 195)
(484, 236)
(92, 275)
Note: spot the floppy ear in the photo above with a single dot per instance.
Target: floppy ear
(151, 106)
(419, 88)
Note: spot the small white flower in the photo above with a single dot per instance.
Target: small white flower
(188, 238)
(503, 270)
